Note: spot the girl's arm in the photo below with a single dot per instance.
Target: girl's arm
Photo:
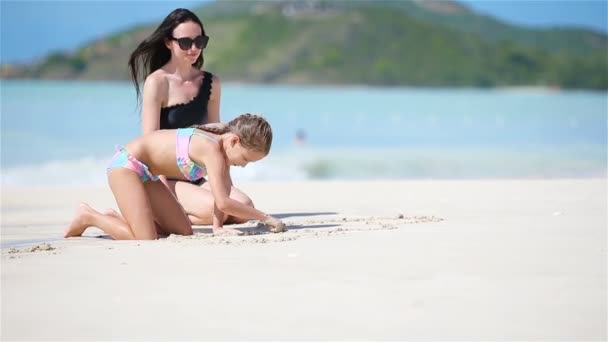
(155, 89)
(213, 109)
(218, 218)
(218, 215)
(216, 169)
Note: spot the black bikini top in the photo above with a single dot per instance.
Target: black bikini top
(187, 114)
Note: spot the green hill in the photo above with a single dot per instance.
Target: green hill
(414, 43)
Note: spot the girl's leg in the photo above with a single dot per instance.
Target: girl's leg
(114, 213)
(168, 213)
(197, 202)
(132, 200)
(86, 217)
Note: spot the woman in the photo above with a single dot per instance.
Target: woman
(177, 93)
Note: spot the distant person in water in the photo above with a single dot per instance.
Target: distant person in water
(178, 93)
(300, 138)
(148, 208)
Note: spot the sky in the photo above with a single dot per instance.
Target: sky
(546, 13)
(31, 29)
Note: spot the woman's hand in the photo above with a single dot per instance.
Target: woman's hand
(274, 224)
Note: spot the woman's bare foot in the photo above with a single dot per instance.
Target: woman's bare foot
(80, 222)
(112, 212)
(226, 231)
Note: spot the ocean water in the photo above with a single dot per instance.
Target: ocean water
(64, 132)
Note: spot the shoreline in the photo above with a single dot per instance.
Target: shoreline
(533, 88)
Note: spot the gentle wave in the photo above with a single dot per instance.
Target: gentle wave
(360, 164)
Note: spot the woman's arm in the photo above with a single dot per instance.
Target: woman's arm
(155, 91)
(213, 106)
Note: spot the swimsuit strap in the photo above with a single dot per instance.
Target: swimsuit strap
(189, 168)
(205, 136)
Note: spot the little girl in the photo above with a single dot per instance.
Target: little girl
(148, 207)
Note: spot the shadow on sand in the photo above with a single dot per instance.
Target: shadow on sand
(286, 215)
(261, 230)
(256, 230)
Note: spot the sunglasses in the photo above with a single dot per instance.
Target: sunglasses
(186, 43)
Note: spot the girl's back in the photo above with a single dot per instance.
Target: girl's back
(158, 150)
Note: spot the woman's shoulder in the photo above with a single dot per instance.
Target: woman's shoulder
(208, 75)
(214, 77)
(214, 84)
(158, 78)
(157, 75)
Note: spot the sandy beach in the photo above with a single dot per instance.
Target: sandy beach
(386, 260)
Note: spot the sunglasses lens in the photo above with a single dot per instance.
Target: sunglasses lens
(201, 42)
(184, 43)
(198, 42)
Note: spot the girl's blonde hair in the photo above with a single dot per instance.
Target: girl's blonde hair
(253, 130)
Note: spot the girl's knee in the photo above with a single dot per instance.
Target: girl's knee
(145, 236)
(186, 231)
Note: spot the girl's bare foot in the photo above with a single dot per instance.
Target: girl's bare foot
(226, 231)
(80, 222)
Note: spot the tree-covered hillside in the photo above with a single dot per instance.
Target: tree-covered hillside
(414, 43)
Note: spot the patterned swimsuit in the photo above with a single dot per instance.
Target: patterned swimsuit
(188, 168)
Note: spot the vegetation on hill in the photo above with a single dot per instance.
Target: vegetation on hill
(413, 43)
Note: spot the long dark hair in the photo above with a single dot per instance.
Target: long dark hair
(151, 54)
(255, 132)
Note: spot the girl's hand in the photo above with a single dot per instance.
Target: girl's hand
(275, 225)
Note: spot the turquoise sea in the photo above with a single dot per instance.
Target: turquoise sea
(64, 132)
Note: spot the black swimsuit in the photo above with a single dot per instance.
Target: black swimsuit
(187, 114)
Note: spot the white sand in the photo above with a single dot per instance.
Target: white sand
(496, 259)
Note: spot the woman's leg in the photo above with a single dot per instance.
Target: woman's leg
(133, 203)
(197, 201)
(240, 196)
